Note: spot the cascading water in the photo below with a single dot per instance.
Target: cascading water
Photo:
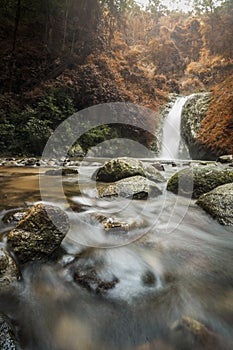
(173, 147)
(147, 294)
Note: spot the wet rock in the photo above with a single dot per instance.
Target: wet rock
(39, 233)
(226, 159)
(192, 332)
(158, 166)
(91, 281)
(9, 272)
(116, 225)
(148, 279)
(14, 216)
(219, 203)
(120, 168)
(193, 113)
(135, 187)
(196, 181)
(112, 224)
(9, 163)
(30, 162)
(8, 339)
(63, 172)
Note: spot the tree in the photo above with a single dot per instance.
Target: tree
(157, 8)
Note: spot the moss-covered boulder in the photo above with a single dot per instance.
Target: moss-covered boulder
(120, 168)
(219, 203)
(194, 111)
(195, 181)
(9, 272)
(39, 233)
(135, 187)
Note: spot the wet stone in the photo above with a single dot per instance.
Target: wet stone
(219, 204)
(90, 280)
(8, 339)
(148, 279)
(135, 187)
(121, 168)
(62, 171)
(14, 216)
(39, 233)
(195, 181)
(193, 332)
(9, 272)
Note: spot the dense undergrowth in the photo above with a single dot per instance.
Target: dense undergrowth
(57, 64)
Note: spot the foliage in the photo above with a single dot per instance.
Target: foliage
(97, 135)
(217, 126)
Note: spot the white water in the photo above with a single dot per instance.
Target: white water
(180, 266)
(173, 146)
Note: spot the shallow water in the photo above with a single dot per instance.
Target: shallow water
(176, 262)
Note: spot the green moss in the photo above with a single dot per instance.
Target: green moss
(198, 180)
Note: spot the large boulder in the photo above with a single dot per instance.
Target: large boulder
(39, 233)
(219, 203)
(9, 272)
(194, 111)
(135, 187)
(195, 181)
(120, 168)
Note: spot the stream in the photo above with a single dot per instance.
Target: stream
(175, 262)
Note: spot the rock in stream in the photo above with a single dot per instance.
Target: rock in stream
(219, 203)
(39, 233)
(195, 181)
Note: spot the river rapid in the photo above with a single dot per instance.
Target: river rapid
(175, 262)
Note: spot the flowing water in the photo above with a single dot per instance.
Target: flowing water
(175, 262)
(173, 147)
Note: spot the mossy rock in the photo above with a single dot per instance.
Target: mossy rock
(8, 340)
(39, 233)
(195, 181)
(9, 272)
(134, 187)
(219, 204)
(120, 168)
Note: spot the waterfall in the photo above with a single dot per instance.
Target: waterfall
(173, 147)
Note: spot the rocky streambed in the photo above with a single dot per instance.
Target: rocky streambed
(126, 258)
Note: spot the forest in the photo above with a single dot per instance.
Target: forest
(116, 174)
(61, 56)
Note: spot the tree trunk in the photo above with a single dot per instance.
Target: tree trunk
(12, 59)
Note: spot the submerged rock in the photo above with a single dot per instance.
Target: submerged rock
(195, 333)
(8, 339)
(63, 171)
(135, 187)
(90, 280)
(116, 225)
(14, 216)
(120, 168)
(39, 233)
(9, 272)
(219, 203)
(197, 180)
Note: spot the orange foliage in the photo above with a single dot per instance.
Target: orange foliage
(217, 127)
